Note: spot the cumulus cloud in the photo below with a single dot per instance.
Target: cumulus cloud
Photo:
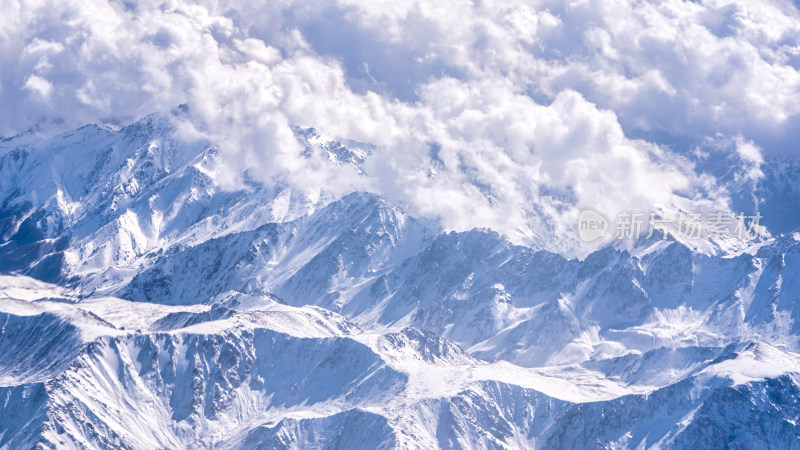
(683, 68)
(490, 114)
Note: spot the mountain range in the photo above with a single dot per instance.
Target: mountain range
(144, 305)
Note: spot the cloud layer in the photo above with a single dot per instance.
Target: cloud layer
(489, 114)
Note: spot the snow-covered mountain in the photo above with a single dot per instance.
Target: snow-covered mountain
(144, 306)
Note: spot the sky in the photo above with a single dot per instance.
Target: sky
(505, 115)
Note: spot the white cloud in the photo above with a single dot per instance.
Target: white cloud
(752, 158)
(684, 68)
(39, 86)
(531, 107)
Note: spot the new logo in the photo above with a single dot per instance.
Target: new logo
(591, 225)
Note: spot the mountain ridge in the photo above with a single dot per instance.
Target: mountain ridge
(144, 306)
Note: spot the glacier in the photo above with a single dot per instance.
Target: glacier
(143, 305)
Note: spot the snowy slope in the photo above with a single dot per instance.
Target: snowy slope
(144, 306)
(276, 374)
